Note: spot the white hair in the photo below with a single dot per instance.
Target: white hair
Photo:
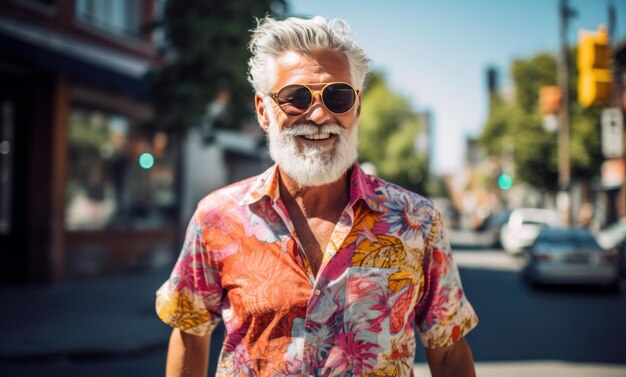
(272, 38)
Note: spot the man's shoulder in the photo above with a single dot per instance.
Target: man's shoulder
(228, 196)
(393, 196)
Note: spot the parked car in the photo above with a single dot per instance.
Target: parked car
(570, 256)
(523, 226)
(614, 237)
(493, 227)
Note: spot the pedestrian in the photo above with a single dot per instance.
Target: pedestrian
(316, 268)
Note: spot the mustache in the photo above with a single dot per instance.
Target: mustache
(306, 129)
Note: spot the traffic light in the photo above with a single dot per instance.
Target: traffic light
(549, 99)
(594, 73)
(505, 181)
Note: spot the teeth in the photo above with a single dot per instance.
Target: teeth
(317, 136)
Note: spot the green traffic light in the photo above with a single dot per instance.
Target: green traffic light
(505, 181)
(146, 160)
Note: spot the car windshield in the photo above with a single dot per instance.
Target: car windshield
(577, 238)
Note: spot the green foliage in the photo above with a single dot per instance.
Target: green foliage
(388, 129)
(535, 152)
(496, 127)
(529, 76)
(207, 45)
(519, 122)
(383, 112)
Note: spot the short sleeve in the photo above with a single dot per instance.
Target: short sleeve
(443, 313)
(191, 298)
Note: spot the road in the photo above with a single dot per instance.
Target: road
(519, 327)
(555, 323)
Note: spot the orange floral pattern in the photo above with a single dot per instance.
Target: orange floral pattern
(388, 267)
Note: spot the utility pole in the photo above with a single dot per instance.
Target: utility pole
(563, 198)
(616, 90)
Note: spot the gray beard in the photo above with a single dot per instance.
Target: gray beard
(312, 166)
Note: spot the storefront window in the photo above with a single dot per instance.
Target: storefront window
(120, 176)
(121, 17)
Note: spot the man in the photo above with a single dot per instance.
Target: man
(316, 268)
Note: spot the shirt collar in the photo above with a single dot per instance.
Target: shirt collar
(266, 185)
(362, 187)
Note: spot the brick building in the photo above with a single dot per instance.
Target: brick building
(87, 186)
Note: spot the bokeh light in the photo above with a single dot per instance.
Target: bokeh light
(146, 160)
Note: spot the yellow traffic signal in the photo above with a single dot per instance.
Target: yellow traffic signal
(549, 99)
(594, 73)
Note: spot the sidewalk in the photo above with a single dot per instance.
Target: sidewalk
(468, 239)
(106, 316)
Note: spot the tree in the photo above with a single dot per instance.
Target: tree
(529, 76)
(388, 130)
(519, 122)
(206, 43)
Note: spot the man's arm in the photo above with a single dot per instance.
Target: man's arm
(187, 355)
(452, 361)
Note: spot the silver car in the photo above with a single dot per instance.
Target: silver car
(570, 256)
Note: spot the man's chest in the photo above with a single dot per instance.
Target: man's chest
(368, 285)
(273, 268)
(312, 237)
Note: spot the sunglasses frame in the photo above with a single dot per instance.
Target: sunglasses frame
(313, 94)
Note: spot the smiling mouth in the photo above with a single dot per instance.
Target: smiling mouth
(318, 136)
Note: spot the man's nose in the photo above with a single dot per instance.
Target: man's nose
(317, 112)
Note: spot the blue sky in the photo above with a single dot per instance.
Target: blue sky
(436, 52)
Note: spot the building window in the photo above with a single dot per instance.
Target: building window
(120, 175)
(120, 17)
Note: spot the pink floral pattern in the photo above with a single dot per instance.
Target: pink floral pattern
(387, 269)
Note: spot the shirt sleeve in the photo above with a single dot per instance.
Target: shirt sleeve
(191, 298)
(443, 314)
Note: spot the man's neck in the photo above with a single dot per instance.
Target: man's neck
(323, 202)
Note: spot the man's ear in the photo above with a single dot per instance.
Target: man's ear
(261, 112)
(358, 106)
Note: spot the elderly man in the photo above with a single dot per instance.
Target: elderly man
(316, 268)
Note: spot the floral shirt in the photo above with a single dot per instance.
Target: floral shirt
(387, 269)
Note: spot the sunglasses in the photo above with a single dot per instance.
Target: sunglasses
(296, 99)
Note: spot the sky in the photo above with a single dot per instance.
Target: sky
(436, 52)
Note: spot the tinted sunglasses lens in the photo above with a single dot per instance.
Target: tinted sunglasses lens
(339, 98)
(294, 99)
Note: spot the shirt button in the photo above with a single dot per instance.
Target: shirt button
(317, 292)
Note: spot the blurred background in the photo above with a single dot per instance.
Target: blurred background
(117, 116)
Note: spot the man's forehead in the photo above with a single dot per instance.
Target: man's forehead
(292, 64)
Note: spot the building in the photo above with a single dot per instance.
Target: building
(87, 186)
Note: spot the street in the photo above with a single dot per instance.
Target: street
(517, 325)
(555, 323)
